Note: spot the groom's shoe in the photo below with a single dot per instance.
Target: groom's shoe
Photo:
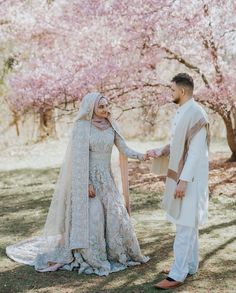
(168, 283)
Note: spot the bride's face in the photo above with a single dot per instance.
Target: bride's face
(102, 109)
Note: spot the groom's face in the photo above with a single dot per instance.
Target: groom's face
(176, 93)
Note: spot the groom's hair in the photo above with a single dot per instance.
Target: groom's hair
(184, 79)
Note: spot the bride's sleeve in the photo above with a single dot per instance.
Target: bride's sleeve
(124, 149)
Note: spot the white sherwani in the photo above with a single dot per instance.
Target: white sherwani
(194, 208)
(195, 202)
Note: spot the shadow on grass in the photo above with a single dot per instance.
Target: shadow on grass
(26, 199)
(25, 202)
(214, 251)
(23, 278)
(218, 226)
(141, 200)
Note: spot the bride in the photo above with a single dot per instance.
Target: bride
(88, 226)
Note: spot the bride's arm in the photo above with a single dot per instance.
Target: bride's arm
(124, 149)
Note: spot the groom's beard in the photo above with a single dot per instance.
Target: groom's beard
(176, 101)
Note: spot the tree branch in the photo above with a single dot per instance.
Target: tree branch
(180, 59)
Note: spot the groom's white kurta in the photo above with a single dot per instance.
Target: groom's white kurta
(188, 161)
(195, 171)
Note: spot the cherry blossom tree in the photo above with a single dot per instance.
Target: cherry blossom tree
(124, 49)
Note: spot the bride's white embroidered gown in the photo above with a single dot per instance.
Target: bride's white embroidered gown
(113, 245)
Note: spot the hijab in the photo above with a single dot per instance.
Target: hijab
(100, 122)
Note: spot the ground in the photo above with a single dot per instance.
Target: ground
(25, 197)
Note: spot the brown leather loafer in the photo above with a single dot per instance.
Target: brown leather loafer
(165, 284)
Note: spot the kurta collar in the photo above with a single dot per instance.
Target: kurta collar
(185, 106)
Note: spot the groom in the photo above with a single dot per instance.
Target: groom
(186, 194)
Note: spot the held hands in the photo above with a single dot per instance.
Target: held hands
(91, 191)
(154, 153)
(181, 189)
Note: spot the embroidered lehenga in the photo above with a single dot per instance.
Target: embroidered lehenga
(91, 235)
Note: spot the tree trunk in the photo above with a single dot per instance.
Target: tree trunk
(148, 125)
(47, 126)
(231, 136)
(15, 122)
(230, 124)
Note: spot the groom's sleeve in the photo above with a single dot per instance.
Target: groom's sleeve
(197, 146)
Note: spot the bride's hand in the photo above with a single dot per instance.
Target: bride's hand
(145, 157)
(91, 191)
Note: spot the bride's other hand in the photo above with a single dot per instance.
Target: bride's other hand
(91, 191)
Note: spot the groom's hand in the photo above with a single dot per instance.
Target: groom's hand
(181, 189)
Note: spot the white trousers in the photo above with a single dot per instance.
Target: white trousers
(185, 253)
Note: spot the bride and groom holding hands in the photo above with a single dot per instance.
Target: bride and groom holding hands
(88, 226)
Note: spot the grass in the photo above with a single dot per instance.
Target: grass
(25, 198)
